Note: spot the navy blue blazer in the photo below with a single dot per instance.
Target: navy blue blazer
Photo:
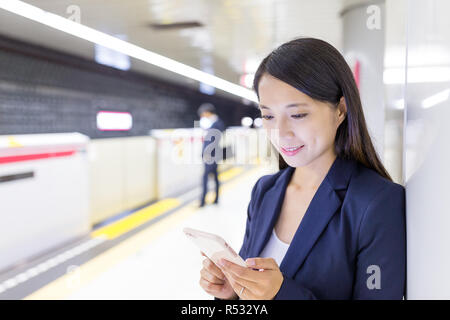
(354, 224)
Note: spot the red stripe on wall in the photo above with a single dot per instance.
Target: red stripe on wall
(356, 73)
(29, 157)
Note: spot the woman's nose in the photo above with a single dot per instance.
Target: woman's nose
(285, 131)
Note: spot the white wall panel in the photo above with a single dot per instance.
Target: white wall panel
(427, 155)
(122, 172)
(51, 207)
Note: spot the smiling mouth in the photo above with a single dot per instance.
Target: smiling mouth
(290, 149)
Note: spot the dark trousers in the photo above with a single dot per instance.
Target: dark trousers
(210, 169)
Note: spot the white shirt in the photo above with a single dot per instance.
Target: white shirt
(275, 248)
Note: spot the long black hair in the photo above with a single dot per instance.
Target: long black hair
(318, 70)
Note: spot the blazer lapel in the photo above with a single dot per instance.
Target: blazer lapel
(269, 211)
(322, 207)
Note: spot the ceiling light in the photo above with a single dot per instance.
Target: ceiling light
(246, 122)
(436, 99)
(416, 75)
(78, 30)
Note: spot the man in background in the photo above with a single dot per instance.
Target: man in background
(214, 127)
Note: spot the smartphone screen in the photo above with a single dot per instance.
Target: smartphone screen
(214, 247)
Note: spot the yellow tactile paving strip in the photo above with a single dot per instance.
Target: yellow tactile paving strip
(136, 219)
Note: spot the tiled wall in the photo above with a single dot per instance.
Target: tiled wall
(44, 91)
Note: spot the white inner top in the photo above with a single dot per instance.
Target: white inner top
(275, 248)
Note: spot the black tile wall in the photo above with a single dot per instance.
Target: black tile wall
(46, 91)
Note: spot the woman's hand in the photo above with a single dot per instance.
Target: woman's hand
(257, 284)
(214, 282)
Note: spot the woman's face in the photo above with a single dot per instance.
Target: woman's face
(293, 119)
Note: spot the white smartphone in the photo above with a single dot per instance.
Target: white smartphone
(213, 246)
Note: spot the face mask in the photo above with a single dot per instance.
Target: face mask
(205, 122)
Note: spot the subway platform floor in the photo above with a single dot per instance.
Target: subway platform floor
(152, 261)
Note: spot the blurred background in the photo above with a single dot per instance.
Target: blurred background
(100, 140)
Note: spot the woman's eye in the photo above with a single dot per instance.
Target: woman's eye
(300, 115)
(295, 116)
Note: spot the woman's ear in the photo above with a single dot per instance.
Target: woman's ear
(342, 110)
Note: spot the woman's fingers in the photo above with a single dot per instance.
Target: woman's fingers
(210, 287)
(211, 272)
(210, 277)
(213, 269)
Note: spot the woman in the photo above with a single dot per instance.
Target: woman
(330, 224)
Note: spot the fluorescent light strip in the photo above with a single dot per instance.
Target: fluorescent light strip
(436, 99)
(78, 30)
(430, 74)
